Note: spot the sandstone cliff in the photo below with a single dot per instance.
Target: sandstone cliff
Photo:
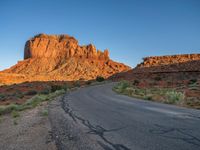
(168, 60)
(60, 57)
(62, 47)
(175, 67)
(171, 63)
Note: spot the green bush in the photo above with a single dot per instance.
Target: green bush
(32, 92)
(136, 82)
(77, 84)
(65, 87)
(129, 91)
(31, 103)
(174, 97)
(192, 81)
(59, 87)
(55, 88)
(157, 78)
(45, 112)
(89, 82)
(15, 114)
(148, 97)
(121, 86)
(18, 94)
(2, 96)
(45, 91)
(8, 108)
(100, 79)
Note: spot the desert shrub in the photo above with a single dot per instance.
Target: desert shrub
(121, 86)
(77, 84)
(44, 112)
(2, 96)
(89, 82)
(18, 94)
(34, 101)
(148, 97)
(174, 96)
(56, 93)
(157, 78)
(140, 92)
(15, 114)
(100, 79)
(65, 87)
(8, 108)
(193, 81)
(136, 82)
(59, 87)
(129, 91)
(124, 84)
(31, 103)
(45, 91)
(32, 92)
(55, 88)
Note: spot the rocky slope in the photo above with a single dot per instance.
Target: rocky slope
(174, 67)
(168, 59)
(60, 57)
(172, 63)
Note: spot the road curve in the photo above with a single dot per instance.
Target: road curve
(97, 118)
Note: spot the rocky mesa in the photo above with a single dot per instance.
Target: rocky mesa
(168, 60)
(175, 67)
(60, 57)
(170, 63)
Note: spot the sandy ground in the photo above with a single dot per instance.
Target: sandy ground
(30, 131)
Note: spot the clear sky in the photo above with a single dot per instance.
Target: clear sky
(130, 29)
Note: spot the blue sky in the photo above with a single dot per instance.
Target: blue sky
(130, 29)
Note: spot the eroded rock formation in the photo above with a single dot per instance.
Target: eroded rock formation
(60, 57)
(62, 47)
(168, 68)
(168, 60)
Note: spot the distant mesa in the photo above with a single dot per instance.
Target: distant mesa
(168, 60)
(60, 57)
(175, 67)
(170, 63)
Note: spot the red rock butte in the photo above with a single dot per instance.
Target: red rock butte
(60, 57)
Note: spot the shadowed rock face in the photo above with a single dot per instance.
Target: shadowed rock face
(60, 57)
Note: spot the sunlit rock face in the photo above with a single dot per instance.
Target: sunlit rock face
(60, 46)
(168, 60)
(60, 57)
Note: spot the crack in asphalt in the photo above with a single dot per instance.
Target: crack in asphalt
(93, 129)
(167, 132)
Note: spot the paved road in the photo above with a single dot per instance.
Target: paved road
(98, 118)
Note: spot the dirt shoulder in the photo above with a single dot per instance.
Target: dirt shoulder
(31, 130)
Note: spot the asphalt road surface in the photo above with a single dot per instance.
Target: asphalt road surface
(97, 118)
